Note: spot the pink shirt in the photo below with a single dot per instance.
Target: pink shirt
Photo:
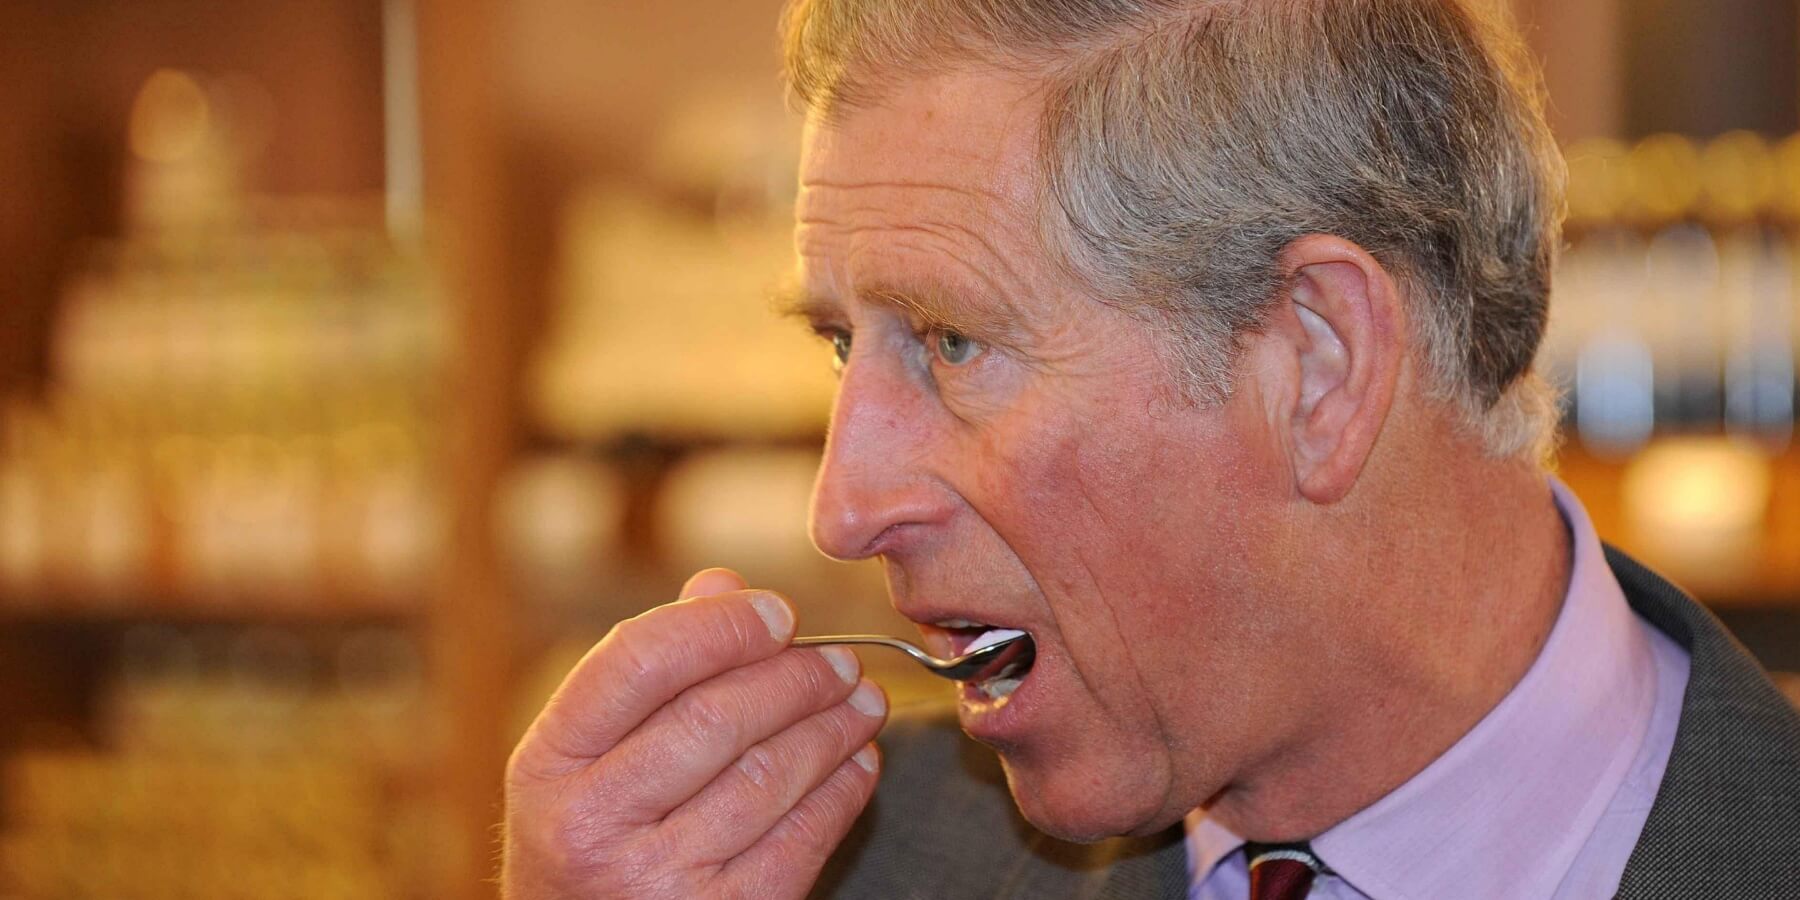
(1545, 797)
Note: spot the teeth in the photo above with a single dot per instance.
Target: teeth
(957, 623)
(997, 688)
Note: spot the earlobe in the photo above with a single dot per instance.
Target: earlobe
(1348, 349)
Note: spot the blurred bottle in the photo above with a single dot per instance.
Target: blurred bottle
(1758, 302)
(1681, 315)
(1615, 375)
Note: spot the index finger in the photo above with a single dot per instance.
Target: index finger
(645, 661)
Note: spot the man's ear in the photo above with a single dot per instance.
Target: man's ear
(1344, 326)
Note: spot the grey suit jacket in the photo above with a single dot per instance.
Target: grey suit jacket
(1726, 822)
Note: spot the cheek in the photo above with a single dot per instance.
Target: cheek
(1129, 526)
(1109, 504)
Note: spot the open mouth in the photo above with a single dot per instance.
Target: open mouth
(1007, 671)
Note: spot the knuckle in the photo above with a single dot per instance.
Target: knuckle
(540, 758)
(762, 766)
(634, 650)
(705, 719)
(580, 842)
(567, 839)
(586, 820)
(523, 765)
(808, 829)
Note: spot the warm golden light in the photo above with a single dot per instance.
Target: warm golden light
(1666, 168)
(1698, 504)
(1599, 180)
(1738, 176)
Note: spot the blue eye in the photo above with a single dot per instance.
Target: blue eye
(840, 349)
(955, 349)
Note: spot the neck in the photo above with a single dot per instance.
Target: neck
(1445, 607)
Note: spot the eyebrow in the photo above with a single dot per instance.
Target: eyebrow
(990, 321)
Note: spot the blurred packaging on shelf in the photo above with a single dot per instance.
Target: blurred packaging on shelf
(242, 395)
(658, 326)
(661, 317)
(232, 415)
(231, 764)
(560, 520)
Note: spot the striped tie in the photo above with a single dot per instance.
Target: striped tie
(1281, 871)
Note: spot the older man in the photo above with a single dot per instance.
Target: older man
(1193, 339)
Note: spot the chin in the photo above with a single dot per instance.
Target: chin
(1083, 807)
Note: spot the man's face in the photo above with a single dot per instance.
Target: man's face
(1017, 454)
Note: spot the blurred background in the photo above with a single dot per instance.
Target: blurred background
(362, 362)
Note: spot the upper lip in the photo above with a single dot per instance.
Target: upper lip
(942, 642)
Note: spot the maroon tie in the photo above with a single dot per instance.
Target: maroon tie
(1281, 871)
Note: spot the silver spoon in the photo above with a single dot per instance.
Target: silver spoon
(993, 661)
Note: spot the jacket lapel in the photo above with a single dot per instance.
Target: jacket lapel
(1726, 814)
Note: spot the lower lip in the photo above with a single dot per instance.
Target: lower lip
(987, 719)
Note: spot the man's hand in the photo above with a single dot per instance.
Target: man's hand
(691, 754)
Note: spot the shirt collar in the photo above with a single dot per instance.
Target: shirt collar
(1505, 811)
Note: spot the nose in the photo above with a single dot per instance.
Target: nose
(873, 482)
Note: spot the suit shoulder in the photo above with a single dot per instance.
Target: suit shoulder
(940, 821)
(1726, 819)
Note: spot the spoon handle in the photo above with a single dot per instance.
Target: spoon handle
(881, 639)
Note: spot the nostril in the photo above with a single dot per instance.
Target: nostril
(852, 525)
(881, 542)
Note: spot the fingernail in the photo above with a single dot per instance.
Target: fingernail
(867, 757)
(775, 614)
(843, 661)
(868, 699)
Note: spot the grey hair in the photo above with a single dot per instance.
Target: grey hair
(1186, 144)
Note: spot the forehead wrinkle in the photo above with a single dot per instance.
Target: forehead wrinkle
(946, 231)
(846, 206)
(807, 184)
